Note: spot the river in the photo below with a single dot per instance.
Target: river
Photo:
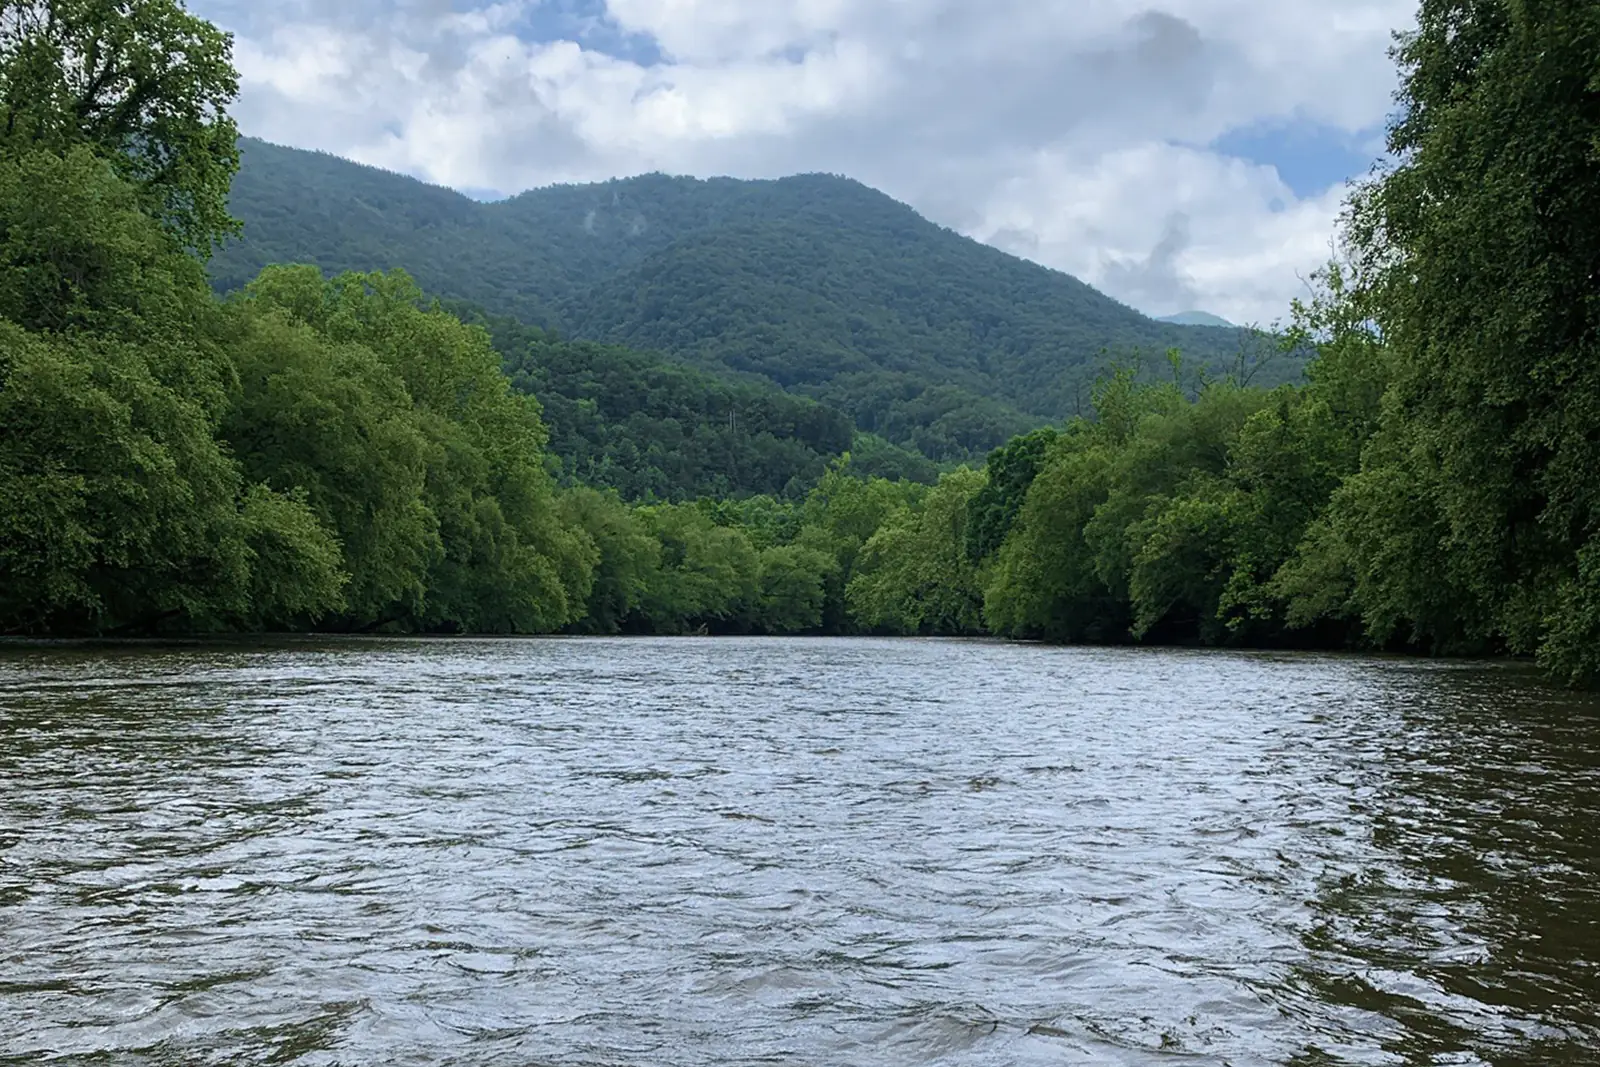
(831, 852)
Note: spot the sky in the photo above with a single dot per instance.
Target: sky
(1191, 156)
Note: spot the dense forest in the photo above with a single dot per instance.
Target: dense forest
(350, 454)
(654, 430)
(815, 284)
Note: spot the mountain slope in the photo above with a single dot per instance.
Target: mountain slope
(311, 207)
(816, 283)
(656, 430)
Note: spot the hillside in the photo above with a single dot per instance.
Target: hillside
(655, 430)
(815, 283)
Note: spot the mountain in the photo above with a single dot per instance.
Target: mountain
(1196, 318)
(815, 283)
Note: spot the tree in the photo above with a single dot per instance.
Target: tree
(1045, 583)
(406, 418)
(1478, 252)
(839, 515)
(78, 253)
(707, 574)
(628, 555)
(793, 589)
(119, 509)
(1011, 470)
(331, 422)
(914, 575)
(118, 505)
(144, 84)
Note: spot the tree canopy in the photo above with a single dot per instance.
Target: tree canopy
(1479, 253)
(144, 84)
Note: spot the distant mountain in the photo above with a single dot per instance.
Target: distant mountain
(1196, 318)
(816, 283)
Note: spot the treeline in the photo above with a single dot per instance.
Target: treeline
(338, 453)
(309, 451)
(343, 454)
(1436, 485)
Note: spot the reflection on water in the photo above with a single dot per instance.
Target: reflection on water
(789, 851)
(1474, 940)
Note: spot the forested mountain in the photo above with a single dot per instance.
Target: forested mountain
(816, 283)
(656, 430)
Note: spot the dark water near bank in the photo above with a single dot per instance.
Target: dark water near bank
(799, 852)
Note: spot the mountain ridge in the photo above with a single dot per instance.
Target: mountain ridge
(815, 282)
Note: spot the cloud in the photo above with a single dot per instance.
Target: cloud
(1080, 133)
(1166, 228)
(1158, 280)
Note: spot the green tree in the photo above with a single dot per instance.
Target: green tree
(505, 560)
(1293, 570)
(330, 421)
(793, 589)
(914, 575)
(1289, 458)
(1011, 470)
(708, 575)
(296, 568)
(1045, 582)
(144, 84)
(79, 254)
(119, 506)
(1478, 251)
(1168, 533)
(628, 557)
(838, 517)
(766, 520)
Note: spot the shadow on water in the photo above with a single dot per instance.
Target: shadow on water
(1474, 936)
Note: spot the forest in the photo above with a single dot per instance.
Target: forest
(655, 430)
(348, 453)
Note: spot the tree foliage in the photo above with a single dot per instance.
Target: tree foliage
(142, 83)
(658, 431)
(914, 575)
(1478, 252)
(119, 505)
(397, 422)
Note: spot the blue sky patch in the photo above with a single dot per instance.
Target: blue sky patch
(1309, 157)
(587, 22)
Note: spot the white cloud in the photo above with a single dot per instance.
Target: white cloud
(714, 32)
(1166, 228)
(1053, 128)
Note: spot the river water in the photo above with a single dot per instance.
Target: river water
(707, 851)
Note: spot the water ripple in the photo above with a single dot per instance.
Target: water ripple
(791, 852)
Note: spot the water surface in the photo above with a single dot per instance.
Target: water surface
(641, 852)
